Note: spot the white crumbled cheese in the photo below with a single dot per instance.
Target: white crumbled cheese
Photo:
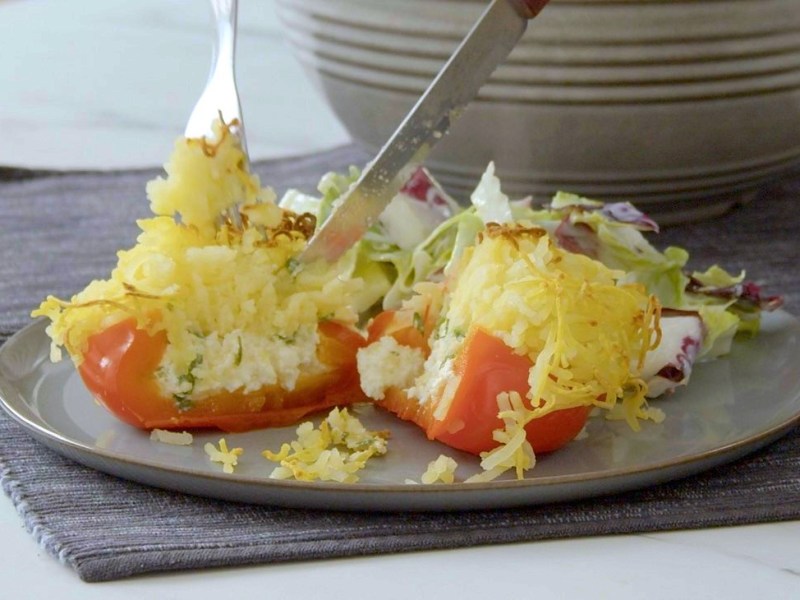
(242, 360)
(438, 371)
(386, 364)
(228, 458)
(174, 438)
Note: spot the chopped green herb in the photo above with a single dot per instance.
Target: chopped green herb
(293, 265)
(183, 399)
(238, 360)
(440, 330)
(418, 323)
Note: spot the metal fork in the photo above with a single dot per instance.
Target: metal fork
(220, 96)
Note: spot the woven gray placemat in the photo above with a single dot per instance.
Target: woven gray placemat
(58, 231)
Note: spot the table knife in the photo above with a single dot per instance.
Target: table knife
(487, 45)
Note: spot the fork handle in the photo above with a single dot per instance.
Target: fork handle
(225, 18)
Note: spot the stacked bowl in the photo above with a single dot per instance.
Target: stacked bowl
(681, 106)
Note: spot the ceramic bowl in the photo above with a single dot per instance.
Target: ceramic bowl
(683, 107)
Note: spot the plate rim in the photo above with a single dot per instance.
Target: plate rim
(54, 439)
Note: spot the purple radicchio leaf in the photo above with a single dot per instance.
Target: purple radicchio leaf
(747, 295)
(684, 360)
(670, 364)
(578, 238)
(625, 212)
(423, 187)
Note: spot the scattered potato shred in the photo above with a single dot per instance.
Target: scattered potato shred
(228, 458)
(336, 451)
(174, 438)
(515, 451)
(443, 470)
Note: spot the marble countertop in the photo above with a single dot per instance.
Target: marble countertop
(104, 84)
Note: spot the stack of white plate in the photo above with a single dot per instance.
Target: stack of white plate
(681, 106)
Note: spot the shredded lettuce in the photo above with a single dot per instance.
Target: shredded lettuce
(333, 186)
(415, 240)
(491, 204)
(613, 234)
(424, 232)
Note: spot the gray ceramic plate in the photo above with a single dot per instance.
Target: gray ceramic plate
(733, 406)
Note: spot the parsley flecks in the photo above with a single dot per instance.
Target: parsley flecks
(441, 327)
(183, 400)
(238, 359)
(293, 266)
(418, 323)
(287, 339)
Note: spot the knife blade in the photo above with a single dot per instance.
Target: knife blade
(487, 45)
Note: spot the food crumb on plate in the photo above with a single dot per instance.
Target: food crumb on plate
(335, 451)
(229, 458)
(442, 470)
(174, 438)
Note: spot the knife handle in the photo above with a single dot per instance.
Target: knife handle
(531, 8)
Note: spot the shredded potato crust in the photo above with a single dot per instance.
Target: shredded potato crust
(209, 286)
(586, 332)
(227, 457)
